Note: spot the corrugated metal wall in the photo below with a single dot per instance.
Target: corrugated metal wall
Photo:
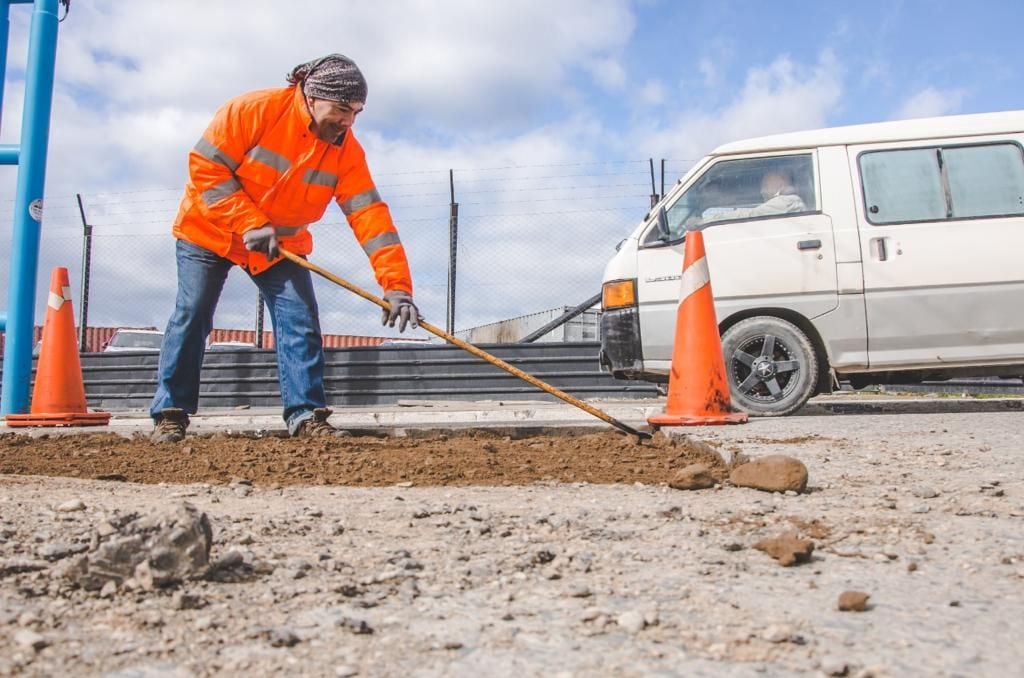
(366, 376)
(96, 338)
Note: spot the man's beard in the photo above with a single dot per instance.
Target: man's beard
(333, 134)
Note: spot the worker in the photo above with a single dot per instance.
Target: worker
(777, 193)
(265, 169)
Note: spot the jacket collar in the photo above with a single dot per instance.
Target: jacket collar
(300, 107)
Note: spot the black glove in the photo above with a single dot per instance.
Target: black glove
(402, 308)
(263, 240)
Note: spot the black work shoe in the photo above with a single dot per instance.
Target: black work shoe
(317, 426)
(170, 426)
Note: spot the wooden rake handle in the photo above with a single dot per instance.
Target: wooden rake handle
(470, 348)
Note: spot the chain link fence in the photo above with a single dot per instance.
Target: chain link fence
(529, 239)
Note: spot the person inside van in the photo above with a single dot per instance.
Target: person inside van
(778, 193)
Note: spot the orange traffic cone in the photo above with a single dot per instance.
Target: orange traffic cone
(58, 398)
(698, 392)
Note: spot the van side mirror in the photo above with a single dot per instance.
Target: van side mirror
(662, 220)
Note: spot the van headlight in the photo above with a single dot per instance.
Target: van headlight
(618, 294)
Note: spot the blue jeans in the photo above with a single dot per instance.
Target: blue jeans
(288, 291)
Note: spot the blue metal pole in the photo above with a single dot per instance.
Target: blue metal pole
(28, 207)
(5, 30)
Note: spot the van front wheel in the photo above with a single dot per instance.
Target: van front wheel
(771, 366)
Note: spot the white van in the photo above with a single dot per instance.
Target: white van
(882, 253)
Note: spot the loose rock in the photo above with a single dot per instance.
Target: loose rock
(831, 666)
(777, 633)
(774, 473)
(283, 637)
(693, 477)
(632, 621)
(71, 506)
(30, 639)
(853, 601)
(157, 550)
(789, 549)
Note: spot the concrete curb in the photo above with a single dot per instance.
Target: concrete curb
(403, 417)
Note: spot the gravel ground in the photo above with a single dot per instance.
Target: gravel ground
(923, 512)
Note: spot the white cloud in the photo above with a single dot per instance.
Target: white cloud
(709, 71)
(782, 97)
(930, 102)
(608, 74)
(652, 93)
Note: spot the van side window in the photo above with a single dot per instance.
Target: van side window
(933, 184)
(750, 188)
(903, 186)
(985, 181)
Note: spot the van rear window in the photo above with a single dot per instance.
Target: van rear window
(937, 183)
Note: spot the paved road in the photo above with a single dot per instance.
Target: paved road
(923, 511)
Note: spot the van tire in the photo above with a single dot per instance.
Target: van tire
(772, 385)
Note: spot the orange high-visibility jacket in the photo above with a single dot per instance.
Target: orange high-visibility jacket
(258, 163)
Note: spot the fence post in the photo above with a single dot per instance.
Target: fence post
(654, 192)
(259, 320)
(453, 242)
(83, 295)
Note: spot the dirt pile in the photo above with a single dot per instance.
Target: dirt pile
(476, 457)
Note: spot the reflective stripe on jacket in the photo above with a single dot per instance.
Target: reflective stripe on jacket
(258, 163)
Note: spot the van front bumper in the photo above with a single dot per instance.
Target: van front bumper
(621, 350)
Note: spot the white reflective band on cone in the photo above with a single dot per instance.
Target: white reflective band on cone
(55, 301)
(695, 277)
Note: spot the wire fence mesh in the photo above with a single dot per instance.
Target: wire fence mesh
(529, 239)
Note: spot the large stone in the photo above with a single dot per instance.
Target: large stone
(692, 477)
(774, 473)
(157, 550)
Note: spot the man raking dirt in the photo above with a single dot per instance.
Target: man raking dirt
(266, 168)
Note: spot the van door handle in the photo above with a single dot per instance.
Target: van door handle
(878, 249)
(809, 245)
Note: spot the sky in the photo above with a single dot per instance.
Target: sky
(546, 112)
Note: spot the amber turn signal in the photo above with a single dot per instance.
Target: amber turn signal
(618, 294)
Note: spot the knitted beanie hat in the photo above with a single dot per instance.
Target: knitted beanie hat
(334, 77)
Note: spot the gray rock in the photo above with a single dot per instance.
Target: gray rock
(186, 601)
(345, 671)
(283, 637)
(925, 492)
(71, 505)
(632, 621)
(30, 640)
(60, 550)
(831, 666)
(158, 550)
(777, 633)
(579, 592)
(158, 670)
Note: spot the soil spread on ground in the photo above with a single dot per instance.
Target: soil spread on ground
(477, 457)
